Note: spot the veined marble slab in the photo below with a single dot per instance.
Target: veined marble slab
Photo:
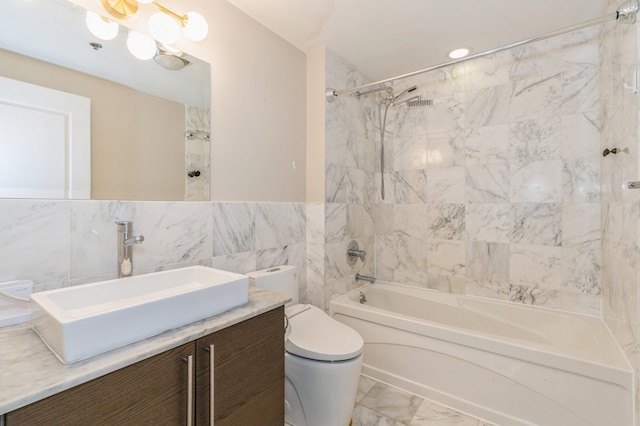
(31, 372)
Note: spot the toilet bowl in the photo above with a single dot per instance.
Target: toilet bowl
(322, 357)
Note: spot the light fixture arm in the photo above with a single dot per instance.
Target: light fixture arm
(183, 19)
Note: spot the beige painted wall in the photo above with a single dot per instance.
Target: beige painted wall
(316, 125)
(120, 169)
(258, 103)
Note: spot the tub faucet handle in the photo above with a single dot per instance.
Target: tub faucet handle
(354, 253)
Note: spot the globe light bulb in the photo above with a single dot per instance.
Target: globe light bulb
(196, 28)
(101, 27)
(164, 28)
(141, 46)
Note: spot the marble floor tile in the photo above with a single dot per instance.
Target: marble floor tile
(379, 404)
(432, 414)
(392, 402)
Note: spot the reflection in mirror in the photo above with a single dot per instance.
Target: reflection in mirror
(149, 123)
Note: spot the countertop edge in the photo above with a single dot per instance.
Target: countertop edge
(34, 372)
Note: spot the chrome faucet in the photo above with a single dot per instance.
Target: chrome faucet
(125, 241)
(360, 277)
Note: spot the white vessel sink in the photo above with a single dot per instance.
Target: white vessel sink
(86, 320)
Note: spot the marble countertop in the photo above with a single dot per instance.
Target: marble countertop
(29, 371)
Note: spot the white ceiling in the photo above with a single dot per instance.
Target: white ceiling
(385, 38)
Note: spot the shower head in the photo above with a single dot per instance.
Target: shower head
(415, 101)
(395, 99)
(419, 102)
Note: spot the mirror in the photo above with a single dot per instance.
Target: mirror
(149, 124)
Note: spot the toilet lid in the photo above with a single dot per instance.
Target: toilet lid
(315, 335)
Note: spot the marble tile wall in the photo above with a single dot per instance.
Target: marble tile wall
(620, 206)
(60, 243)
(348, 209)
(495, 189)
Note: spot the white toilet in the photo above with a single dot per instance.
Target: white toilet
(322, 357)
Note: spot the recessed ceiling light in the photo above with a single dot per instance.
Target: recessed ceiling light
(459, 53)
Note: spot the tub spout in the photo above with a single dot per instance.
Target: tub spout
(365, 278)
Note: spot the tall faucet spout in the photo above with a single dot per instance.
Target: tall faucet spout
(125, 251)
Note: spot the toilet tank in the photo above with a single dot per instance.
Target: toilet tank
(281, 279)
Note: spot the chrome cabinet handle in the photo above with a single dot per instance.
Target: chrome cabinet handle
(189, 361)
(211, 350)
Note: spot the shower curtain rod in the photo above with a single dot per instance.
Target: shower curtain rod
(626, 13)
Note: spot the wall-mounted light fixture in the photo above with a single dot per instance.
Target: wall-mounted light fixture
(164, 25)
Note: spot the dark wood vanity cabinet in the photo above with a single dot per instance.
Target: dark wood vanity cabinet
(248, 373)
(248, 361)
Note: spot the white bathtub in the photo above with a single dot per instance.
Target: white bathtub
(506, 363)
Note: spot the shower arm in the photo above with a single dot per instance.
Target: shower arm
(627, 13)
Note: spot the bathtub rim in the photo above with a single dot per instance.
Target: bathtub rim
(620, 373)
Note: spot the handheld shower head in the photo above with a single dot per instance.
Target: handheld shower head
(395, 99)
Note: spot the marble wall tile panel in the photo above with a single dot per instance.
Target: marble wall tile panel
(389, 188)
(315, 223)
(488, 183)
(445, 150)
(272, 224)
(358, 186)
(449, 81)
(360, 221)
(386, 257)
(315, 274)
(410, 220)
(240, 263)
(536, 182)
(412, 261)
(487, 145)
(406, 122)
(531, 265)
(336, 142)
(93, 235)
(537, 224)
(488, 71)
(534, 140)
(581, 135)
(410, 153)
(383, 218)
(580, 88)
(446, 259)
(534, 96)
(361, 152)
(446, 222)
(581, 224)
(446, 185)
(488, 262)
(445, 115)
(540, 60)
(335, 184)
(487, 106)
(489, 222)
(174, 232)
(233, 228)
(409, 186)
(335, 226)
(35, 241)
(581, 180)
(297, 223)
(581, 268)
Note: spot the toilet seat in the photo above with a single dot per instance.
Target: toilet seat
(315, 335)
